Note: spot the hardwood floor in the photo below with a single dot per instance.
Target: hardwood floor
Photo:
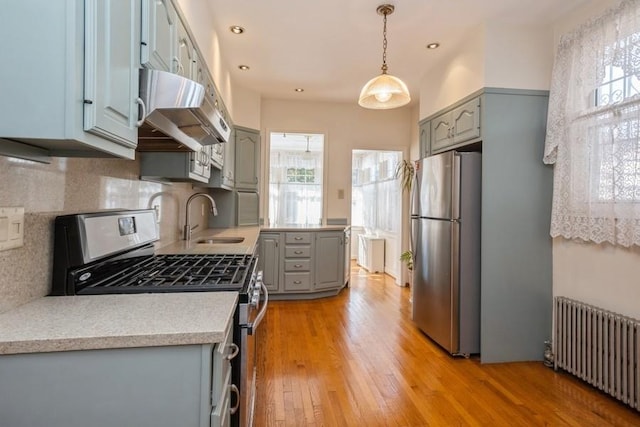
(358, 360)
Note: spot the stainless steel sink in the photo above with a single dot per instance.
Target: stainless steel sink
(220, 240)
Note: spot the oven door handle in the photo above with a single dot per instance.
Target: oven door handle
(263, 310)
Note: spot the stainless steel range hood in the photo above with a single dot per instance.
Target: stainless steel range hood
(180, 109)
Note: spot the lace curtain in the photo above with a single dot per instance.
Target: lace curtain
(295, 188)
(593, 130)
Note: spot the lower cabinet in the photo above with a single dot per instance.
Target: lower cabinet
(186, 385)
(269, 260)
(302, 264)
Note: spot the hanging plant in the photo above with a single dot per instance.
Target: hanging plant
(404, 172)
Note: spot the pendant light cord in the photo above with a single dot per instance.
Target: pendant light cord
(384, 45)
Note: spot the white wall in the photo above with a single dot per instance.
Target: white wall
(460, 75)
(602, 275)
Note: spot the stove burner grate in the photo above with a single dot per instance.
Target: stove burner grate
(166, 273)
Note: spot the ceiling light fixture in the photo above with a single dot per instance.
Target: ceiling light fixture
(243, 67)
(236, 29)
(299, 89)
(433, 45)
(385, 91)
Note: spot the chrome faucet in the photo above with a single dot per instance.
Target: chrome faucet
(187, 227)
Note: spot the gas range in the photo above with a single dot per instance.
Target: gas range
(165, 273)
(112, 252)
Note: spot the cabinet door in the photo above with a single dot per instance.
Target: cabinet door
(185, 54)
(425, 136)
(329, 260)
(228, 167)
(111, 70)
(158, 35)
(466, 121)
(269, 260)
(247, 156)
(441, 132)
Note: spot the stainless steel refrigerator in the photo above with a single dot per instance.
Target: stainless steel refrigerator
(445, 237)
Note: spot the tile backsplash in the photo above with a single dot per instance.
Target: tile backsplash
(73, 185)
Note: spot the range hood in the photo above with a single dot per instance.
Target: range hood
(179, 110)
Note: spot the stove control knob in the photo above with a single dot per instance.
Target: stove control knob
(255, 299)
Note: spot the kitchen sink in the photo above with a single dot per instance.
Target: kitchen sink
(218, 240)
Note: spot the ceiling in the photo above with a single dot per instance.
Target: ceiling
(331, 48)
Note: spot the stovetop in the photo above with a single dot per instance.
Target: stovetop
(166, 273)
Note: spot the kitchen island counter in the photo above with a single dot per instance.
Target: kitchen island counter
(276, 228)
(53, 324)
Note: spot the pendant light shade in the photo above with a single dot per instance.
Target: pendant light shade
(384, 91)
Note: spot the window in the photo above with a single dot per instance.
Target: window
(593, 130)
(295, 179)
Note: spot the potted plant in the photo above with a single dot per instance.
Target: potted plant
(405, 172)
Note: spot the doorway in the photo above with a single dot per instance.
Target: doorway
(376, 211)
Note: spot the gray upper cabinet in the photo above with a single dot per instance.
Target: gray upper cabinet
(247, 157)
(424, 131)
(159, 32)
(455, 126)
(74, 93)
(111, 100)
(186, 53)
(329, 260)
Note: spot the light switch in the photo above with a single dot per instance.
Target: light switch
(11, 228)
(340, 194)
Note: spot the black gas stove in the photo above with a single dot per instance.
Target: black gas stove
(112, 253)
(165, 273)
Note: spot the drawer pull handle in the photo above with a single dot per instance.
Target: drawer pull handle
(234, 351)
(297, 282)
(297, 252)
(298, 265)
(235, 390)
(298, 238)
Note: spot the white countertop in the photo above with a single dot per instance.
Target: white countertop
(116, 321)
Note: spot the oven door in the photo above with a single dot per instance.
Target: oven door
(251, 315)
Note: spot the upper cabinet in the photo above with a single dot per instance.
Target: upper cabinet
(158, 48)
(247, 158)
(75, 92)
(455, 126)
(186, 55)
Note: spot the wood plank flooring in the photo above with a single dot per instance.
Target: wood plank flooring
(358, 360)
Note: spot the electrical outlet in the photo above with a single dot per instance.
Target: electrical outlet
(11, 228)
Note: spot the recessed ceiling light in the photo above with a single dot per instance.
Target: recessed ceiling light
(243, 67)
(236, 29)
(299, 89)
(433, 45)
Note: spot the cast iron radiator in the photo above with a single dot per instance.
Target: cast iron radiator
(600, 347)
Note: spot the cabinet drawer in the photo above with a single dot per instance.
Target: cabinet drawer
(221, 364)
(297, 281)
(297, 238)
(297, 265)
(297, 251)
(220, 415)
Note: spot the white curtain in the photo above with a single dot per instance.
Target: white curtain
(295, 188)
(376, 195)
(593, 130)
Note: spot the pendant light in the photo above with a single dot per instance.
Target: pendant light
(385, 91)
